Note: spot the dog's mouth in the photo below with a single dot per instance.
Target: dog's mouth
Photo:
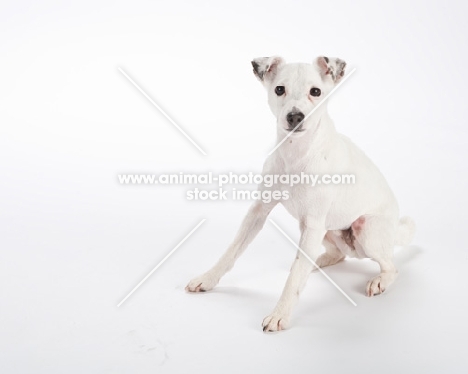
(299, 129)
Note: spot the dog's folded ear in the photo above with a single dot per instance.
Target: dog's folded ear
(332, 67)
(265, 68)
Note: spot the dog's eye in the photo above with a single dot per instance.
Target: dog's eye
(279, 90)
(314, 91)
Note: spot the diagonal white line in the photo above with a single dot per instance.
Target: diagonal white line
(161, 110)
(313, 110)
(161, 262)
(313, 262)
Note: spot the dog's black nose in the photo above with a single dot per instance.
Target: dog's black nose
(294, 119)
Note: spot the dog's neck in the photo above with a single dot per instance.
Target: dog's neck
(297, 152)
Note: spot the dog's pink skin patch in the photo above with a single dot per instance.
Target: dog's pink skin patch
(358, 225)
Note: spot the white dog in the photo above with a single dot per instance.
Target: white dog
(359, 220)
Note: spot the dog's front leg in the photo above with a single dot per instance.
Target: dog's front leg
(251, 225)
(311, 239)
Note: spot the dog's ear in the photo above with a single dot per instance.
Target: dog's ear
(332, 67)
(265, 68)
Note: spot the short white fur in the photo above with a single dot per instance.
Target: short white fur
(358, 220)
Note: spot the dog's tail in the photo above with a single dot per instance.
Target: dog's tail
(405, 231)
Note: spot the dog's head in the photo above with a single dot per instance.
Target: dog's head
(295, 89)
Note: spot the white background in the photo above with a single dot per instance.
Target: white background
(74, 242)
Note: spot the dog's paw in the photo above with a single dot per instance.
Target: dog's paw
(326, 259)
(205, 282)
(379, 284)
(275, 322)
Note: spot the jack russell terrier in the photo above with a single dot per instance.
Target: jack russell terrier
(358, 220)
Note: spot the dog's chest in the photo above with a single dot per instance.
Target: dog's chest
(312, 197)
(302, 196)
(296, 202)
(301, 199)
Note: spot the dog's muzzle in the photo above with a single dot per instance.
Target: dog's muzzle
(294, 119)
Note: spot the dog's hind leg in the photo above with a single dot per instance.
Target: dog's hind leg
(376, 235)
(380, 283)
(251, 225)
(332, 253)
